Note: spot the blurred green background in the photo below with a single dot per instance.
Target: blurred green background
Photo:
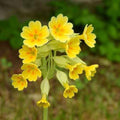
(98, 99)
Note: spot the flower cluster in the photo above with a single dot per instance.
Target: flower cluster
(40, 56)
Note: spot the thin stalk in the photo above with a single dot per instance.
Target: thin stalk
(45, 113)
(47, 70)
(54, 56)
(54, 53)
(49, 63)
(45, 110)
(44, 67)
(51, 60)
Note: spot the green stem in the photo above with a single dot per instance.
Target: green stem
(54, 53)
(50, 66)
(54, 56)
(45, 110)
(45, 113)
(44, 69)
(51, 60)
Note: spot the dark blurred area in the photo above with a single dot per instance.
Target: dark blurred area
(24, 9)
(98, 99)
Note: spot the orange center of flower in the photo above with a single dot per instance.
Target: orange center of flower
(35, 36)
(20, 80)
(68, 91)
(58, 29)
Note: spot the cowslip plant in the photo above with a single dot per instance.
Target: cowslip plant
(52, 50)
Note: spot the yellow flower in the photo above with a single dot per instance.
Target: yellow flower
(75, 70)
(19, 82)
(43, 102)
(60, 28)
(88, 36)
(35, 34)
(90, 71)
(72, 47)
(28, 54)
(69, 91)
(31, 71)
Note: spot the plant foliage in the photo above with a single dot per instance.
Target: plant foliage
(10, 31)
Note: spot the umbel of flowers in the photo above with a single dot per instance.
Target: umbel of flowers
(52, 50)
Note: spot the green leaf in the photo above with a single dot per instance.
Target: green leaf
(16, 42)
(5, 34)
(112, 31)
(13, 22)
(5, 63)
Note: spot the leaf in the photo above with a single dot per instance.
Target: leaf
(16, 42)
(5, 34)
(112, 31)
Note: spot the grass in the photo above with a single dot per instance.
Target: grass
(96, 100)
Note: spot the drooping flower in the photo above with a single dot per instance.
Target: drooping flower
(35, 34)
(72, 47)
(44, 49)
(28, 54)
(18, 81)
(88, 36)
(31, 71)
(90, 71)
(69, 91)
(43, 102)
(75, 70)
(60, 28)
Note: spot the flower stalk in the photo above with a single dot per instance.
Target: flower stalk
(45, 113)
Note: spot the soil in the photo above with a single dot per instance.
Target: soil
(11, 55)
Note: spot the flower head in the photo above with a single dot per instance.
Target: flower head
(72, 47)
(75, 70)
(28, 54)
(44, 48)
(90, 71)
(43, 102)
(69, 91)
(88, 36)
(19, 82)
(31, 71)
(60, 28)
(35, 34)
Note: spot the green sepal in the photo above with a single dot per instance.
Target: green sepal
(75, 60)
(43, 51)
(45, 87)
(38, 62)
(56, 45)
(61, 61)
(62, 77)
